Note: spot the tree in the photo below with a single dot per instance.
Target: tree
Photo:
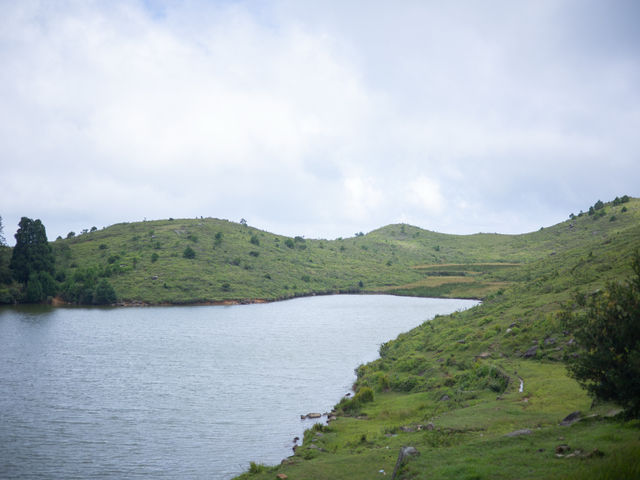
(32, 253)
(605, 357)
(105, 294)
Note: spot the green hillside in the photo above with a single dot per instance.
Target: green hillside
(145, 261)
(451, 387)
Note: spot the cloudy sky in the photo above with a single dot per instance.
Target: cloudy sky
(317, 118)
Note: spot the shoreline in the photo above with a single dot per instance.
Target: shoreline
(60, 303)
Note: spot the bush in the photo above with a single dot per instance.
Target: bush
(364, 395)
(154, 257)
(189, 253)
(105, 294)
(289, 243)
(255, 240)
(605, 358)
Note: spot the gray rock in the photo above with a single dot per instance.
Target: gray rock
(403, 457)
(570, 419)
(531, 352)
(445, 398)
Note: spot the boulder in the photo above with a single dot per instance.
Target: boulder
(531, 352)
(314, 415)
(445, 398)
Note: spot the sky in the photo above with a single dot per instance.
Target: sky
(319, 119)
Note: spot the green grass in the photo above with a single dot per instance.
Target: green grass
(476, 359)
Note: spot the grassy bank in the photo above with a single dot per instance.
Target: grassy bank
(451, 387)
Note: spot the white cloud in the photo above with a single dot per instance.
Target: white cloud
(315, 119)
(425, 193)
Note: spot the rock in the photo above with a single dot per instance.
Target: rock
(296, 439)
(562, 449)
(531, 352)
(445, 398)
(403, 457)
(577, 453)
(302, 417)
(429, 426)
(549, 341)
(570, 419)
(514, 324)
(595, 453)
(314, 415)
(407, 429)
(571, 342)
(509, 330)
(282, 476)
(518, 433)
(613, 413)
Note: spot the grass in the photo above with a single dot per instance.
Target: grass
(450, 387)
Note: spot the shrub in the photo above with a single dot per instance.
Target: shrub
(105, 294)
(189, 253)
(255, 240)
(289, 243)
(364, 395)
(605, 358)
(256, 468)
(102, 246)
(154, 257)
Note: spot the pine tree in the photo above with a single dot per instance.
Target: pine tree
(32, 253)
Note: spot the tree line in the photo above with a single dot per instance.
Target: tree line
(30, 274)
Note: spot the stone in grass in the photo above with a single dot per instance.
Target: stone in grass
(570, 419)
(531, 352)
(281, 476)
(403, 457)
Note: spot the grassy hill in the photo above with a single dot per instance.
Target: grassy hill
(145, 261)
(458, 387)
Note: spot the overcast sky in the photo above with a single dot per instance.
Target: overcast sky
(320, 119)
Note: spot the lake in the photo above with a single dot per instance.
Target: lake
(181, 392)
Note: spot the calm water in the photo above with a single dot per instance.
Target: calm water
(181, 392)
